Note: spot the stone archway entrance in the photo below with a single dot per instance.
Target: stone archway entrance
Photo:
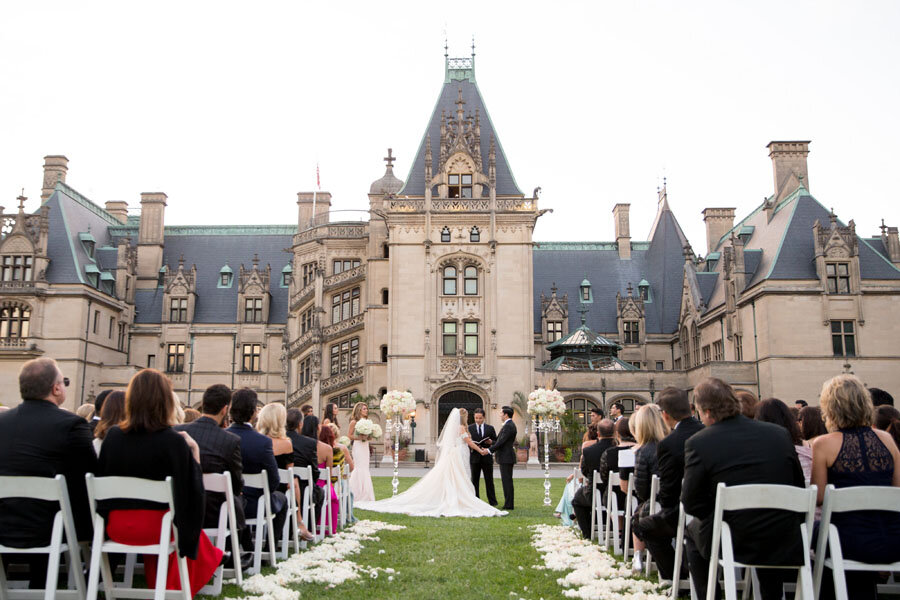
(458, 399)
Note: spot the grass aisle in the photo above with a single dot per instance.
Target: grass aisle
(452, 557)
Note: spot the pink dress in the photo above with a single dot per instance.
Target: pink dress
(335, 503)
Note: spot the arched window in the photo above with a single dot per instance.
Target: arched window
(581, 407)
(449, 281)
(15, 321)
(445, 234)
(470, 281)
(474, 234)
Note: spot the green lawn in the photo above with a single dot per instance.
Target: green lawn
(472, 558)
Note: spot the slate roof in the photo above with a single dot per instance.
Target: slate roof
(415, 181)
(210, 253)
(661, 263)
(71, 214)
(784, 248)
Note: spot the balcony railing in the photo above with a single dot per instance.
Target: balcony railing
(451, 205)
(349, 276)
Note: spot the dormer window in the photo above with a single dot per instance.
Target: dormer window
(644, 290)
(445, 235)
(459, 185)
(161, 278)
(93, 275)
(226, 276)
(287, 275)
(837, 276)
(586, 295)
(88, 243)
(474, 235)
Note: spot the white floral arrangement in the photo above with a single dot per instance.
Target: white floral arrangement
(368, 428)
(546, 403)
(396, 403)
(344, 440)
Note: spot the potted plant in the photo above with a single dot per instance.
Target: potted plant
(522, 446)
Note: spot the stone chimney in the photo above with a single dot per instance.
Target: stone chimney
(719, 221)
(891, 241)
(118, 209)
(151, 237)
(313, 209)
(789, 166)
(55, 169)
(623, 230)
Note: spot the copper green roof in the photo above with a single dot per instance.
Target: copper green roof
(579, 363)
(583, 337)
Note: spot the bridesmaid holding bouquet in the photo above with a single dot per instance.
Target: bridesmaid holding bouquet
(361, 430)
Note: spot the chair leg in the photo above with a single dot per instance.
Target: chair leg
(3, 583)
(130, 562)
(257, 546)
(109, 585)
(184, 577)
(94, 571)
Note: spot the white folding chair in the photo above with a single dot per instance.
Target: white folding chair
(132, 488)
(679, 584)
(307, 508)
(52, 490)
(652, 509)
(763, 496)
(346, 495)
(598, 510)
(263, 522)
(290, 523)
(227, 526)
(325, 514)
(630, 507)
(339, 485)
(850, 499)
(612, 513)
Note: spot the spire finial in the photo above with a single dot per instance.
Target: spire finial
(473, 45)
(446, 46)
(181, 261)
(389, 159)
(883, 227)
(255, 260)
(22, 200)
(833, 218)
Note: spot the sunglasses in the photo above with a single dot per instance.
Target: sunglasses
(65, 381)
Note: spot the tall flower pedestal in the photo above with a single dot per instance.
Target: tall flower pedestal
(545, 406)
(546, 425)
(396, 407)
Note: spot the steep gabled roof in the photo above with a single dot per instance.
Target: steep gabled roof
(660, 261)
(453, 85)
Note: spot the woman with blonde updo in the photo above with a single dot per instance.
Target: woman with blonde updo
(855, 454)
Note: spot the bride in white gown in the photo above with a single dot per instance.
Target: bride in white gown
(447, 490)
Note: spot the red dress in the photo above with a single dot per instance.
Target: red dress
(141, 527)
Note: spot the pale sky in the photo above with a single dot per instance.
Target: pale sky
(227, 107)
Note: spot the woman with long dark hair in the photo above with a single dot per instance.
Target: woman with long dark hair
(112, 413)
(812, 425)
(329, 415)
(145, 445)
(773, 410)
(887, 418)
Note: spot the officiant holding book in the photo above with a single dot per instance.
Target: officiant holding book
(484, 435)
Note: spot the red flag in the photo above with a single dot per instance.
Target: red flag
(318, 181)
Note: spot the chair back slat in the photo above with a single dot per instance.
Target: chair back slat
(256, 480)
(865, 498)
(215, 482)
(34, 488)
(285, 476)
(132, 488)
(763, 496)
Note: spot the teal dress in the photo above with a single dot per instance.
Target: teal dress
(564, 508)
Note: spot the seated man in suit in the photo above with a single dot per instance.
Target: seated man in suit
(220, 451)
(658, 530)
(734, 450)
(590, 462)
(39, 439)
(305, 454)
(256, 456)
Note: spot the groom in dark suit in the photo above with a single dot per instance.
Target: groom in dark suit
(503, 450)
(484, 435)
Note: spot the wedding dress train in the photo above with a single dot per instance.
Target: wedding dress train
(446, 490)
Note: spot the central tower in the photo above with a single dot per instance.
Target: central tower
(459, 237)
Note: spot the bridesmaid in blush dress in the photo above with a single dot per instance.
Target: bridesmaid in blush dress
(360, 479)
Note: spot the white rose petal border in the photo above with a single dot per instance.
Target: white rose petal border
(594, 572)
(323, 563)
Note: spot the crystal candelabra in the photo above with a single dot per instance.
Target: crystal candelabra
(394, 426)
(546, 424)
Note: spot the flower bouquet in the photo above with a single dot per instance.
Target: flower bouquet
(546, 403)
(367, 428)
(395, 404)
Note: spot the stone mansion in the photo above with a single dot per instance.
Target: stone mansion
(442, 291)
